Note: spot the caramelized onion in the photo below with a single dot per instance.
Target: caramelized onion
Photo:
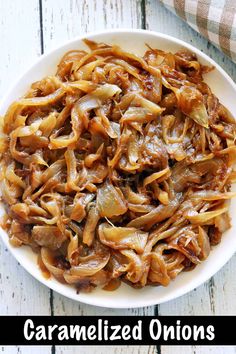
(93, 262)
(122, 237)
(48, 236)
(110, 201)
(118, 167)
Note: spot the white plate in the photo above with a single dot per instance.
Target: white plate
(125, 296)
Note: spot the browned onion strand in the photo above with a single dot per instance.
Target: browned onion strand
(118, 167)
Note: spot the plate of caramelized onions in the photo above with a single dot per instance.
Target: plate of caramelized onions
(117, 175)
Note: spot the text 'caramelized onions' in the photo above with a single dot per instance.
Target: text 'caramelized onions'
(118, 168)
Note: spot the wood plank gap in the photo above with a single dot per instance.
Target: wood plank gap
(156, 314)
(53, 348)
(51, 302)
(212, 294)
(41, 26)
(143, 14)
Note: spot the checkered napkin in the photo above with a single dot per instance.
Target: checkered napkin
(214, 19)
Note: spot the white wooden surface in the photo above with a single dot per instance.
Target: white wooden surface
(28, 28)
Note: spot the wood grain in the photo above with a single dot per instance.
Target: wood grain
(20, 45)
(20, 293)
(67, 20)
(215, 296)
(206, 298)
(73, 18)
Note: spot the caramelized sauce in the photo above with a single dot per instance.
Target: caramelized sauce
(42, 267)
(112, 285)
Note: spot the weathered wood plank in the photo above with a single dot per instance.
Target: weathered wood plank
(20, 38)
(26, 350)
(160, 19)
(20, 293)
(197, 350)
(215, 296)
(107, 350)
(20, 45)
(61, 22)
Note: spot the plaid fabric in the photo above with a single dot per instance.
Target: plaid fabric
(214, 19)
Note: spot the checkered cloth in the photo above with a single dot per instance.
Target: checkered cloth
(214, 19)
